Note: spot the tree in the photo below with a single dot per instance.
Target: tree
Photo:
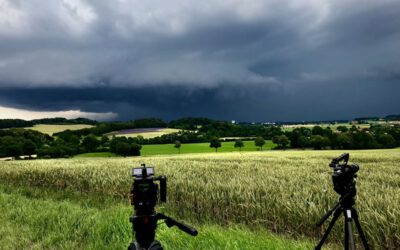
(363, 140)
(13, 149)
(135, 149)
(259, 142)
(178, 145)
(303, 141)
(342, 129)
(319, 142)
(215, 143)
(28, 148)
(122, 148)
(104, 140)
(90, 143)
(239, 144)
(283, 141)
(343, 141)
(317, 130)
(387, 141)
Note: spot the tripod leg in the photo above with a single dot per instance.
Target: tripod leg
(328, 230)
(348, 231)
(360, 231)
(346, 234)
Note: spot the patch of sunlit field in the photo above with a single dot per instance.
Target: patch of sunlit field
(148, 134)
(286, 192)
(50, 129)
(291, 127)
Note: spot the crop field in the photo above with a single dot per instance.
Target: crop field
(145, 132)
(51, 129)
(324, 125)
(162, 149)
(234, 198)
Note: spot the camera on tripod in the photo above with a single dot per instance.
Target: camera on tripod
(344, 183)
(343, 176)
(144, 197)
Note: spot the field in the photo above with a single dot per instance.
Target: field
(145, 132)
(324, 125)
(95, 154)
(162, 149)
(51, 129)
(234, 199)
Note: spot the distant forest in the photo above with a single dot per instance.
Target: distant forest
(18, 123)
(16, 141)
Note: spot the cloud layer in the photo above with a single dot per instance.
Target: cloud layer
(288, 51)
(13, 113)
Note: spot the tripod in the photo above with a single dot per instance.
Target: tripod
(145, 227)
(345, 206)
(144, 194)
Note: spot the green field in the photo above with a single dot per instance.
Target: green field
(51, 129)
(188, 148)
(96, 154)
(233, 198)
(162, 149)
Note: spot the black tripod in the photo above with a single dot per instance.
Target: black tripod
(145, 227)
(345, 206)
(144, 196)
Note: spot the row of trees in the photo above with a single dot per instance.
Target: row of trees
(18, 123)
(66, 146)
(18, 142)
(377, 136)
(216, 143)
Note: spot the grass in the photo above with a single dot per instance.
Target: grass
(150, 134)
(40, 219)
(162, 149)
(51, 129)
(95, 154)
(285, 192)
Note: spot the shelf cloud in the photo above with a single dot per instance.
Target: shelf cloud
(222, 48)
(13, 113)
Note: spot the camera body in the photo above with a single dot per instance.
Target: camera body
(344, 175)
(144, 192)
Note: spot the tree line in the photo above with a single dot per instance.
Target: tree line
(16, 142)
(18, 123)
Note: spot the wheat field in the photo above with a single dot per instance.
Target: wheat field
(283, 191)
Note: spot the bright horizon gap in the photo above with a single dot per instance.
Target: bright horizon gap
(14, 113)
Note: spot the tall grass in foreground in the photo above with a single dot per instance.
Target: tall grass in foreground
(286, 192)
(37, 219)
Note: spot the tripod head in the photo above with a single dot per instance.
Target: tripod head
(144, 197)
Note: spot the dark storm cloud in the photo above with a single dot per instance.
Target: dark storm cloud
(199, 58)
(301, 102)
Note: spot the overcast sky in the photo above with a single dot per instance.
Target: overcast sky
(229, 59)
